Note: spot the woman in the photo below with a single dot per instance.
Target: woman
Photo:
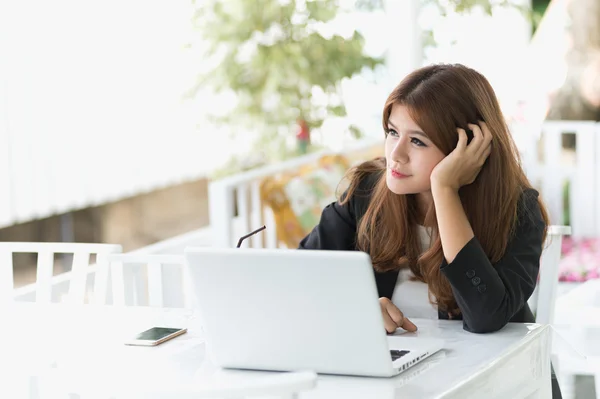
(451, 223)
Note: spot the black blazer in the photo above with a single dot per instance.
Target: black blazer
(488, 295)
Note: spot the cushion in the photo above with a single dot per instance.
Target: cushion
(298, 198)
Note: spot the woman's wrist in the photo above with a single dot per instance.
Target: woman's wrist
(442, 189)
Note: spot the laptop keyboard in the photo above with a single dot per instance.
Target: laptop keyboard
(397, 354)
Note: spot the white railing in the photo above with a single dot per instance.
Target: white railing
(241, 192)
(549, 168)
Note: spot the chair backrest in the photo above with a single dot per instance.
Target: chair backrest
(280, 385)
(298, 198)
(545, 298)
(141, 279)
(45, 279)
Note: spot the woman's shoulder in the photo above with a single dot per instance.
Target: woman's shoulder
(363, 180)
(365, 176)
(529, 200)
(368, 182)
(529, 211)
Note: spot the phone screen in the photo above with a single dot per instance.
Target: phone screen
(156, 333)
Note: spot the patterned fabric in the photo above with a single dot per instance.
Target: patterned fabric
(297, 199)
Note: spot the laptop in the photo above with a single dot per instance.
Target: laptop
(284, 310)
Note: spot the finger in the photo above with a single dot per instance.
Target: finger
(389, 324)
(487, 134)
(487, 139)
(399, 319)
(483, 153)
(487, 152)
(409, 325)
(462, 139)
(395, 314)
(478, 139)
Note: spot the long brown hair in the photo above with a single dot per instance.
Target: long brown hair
(440, 98)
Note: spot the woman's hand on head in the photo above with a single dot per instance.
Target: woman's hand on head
(393, 317)
(462, 165)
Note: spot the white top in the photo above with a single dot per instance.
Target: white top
(412, 297)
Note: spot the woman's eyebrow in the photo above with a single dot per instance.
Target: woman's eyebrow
(418, 132)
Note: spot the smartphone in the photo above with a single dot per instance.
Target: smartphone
(156, 336)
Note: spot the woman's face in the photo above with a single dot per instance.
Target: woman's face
(410, 155)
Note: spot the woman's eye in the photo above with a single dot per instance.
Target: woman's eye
(417, 142)
(393, 133)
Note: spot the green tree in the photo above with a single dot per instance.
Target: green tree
(467, 5)
(274, 57)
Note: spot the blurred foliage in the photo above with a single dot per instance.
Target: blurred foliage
(461, 6)
(566, 194)
(445, 7)
(538, 8)
(237, 165)
(280, 67)
(273, 56)
(368, 5)
(534, 13)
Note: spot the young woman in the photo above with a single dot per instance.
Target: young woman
(451, 223)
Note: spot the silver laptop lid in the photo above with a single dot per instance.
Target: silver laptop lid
(289, 310)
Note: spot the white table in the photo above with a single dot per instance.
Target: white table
(81, 350)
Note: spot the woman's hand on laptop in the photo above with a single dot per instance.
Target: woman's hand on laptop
(393, 317)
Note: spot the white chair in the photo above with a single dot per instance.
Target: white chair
(544, 297)
(45, 279)
(148, 279)
(543, 300)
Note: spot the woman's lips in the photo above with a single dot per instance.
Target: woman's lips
(398, 175)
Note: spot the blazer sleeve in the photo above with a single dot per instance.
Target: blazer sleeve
(487, 294)
(337, 227)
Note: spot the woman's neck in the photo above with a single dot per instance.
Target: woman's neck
(424, 203)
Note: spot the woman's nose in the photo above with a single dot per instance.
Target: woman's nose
(400, 152)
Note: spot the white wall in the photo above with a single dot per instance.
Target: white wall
(90, 104)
